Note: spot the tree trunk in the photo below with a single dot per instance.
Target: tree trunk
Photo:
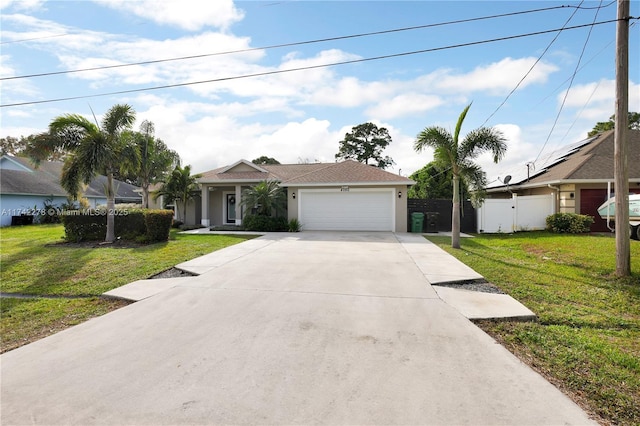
(110, 237)
(184, 212)
(455, 214)
(145, 195)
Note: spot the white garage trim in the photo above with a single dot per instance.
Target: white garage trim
(355, 209)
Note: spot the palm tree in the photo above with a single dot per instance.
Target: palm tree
(266, 197)
(156, 159)
(179, 187)
(458, 155)
(96, 149)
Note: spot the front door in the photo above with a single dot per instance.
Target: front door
(231, 209)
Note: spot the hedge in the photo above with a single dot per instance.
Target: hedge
(130, 224)
(252, 222)
(158, 224)
(570, 223)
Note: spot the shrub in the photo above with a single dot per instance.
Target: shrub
(51, 212)
(84, 226)
(261, 223)
(129, 224)
(294, 225)
(133, 224)
(158, 224)
(570, 223)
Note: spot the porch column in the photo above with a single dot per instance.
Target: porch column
(205, 221)
(238, 205)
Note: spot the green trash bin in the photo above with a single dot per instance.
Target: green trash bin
(417, 220)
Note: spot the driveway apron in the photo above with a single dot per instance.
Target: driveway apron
(309, 328)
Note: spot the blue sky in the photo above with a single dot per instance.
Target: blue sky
(302, 115)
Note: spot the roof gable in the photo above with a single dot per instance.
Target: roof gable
(242, 166)
(11, 163)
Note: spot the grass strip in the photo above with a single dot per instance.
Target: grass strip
(34, 261)
(587, 339)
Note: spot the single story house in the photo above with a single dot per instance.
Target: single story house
(25, 188)
(578, 175)
(346, 196)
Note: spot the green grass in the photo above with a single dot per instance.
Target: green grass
(587, 339)
(34, 261)
(26, 320)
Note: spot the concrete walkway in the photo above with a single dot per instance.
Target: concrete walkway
(309, 328)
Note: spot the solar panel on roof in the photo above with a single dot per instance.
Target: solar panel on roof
(544, 164)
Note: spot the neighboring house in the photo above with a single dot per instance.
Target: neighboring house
(348, 196)
(24, 187)
(578, 176)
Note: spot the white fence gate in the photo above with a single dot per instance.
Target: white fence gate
(525, 213)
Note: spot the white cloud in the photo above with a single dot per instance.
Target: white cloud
(497, 77)
(596, 100)
(404, 104)
(28, 5)
(191, 15)
(520, 150)
(164, 72)
(349, 92)
(13, 90)
(206, 138)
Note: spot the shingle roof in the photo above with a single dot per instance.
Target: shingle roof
(594, 160)
(590, 159)
(45, 180)
(345, 172)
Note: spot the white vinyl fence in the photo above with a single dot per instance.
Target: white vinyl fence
(524, 213)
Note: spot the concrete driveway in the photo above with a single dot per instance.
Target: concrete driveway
(308, 328)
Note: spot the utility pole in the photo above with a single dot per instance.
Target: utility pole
(621, 150)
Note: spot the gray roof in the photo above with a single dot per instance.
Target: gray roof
(591, 159)
(26, 179)
(345, 172)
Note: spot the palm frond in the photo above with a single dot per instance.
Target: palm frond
(71, 178)
(118, 118)
(433, 137)
(472, 174)
(129, 154)
(265, 197)
(461, 118)
(482, 140)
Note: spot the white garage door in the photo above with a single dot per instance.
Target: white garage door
(355, 210)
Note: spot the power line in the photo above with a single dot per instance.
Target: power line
(588, 101)
(322, 40)
(353, 61)
(605, 47)
(566, 94)
(532, 66)
(35, 38)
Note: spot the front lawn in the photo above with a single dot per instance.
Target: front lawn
(34, 262)
(587, 339)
